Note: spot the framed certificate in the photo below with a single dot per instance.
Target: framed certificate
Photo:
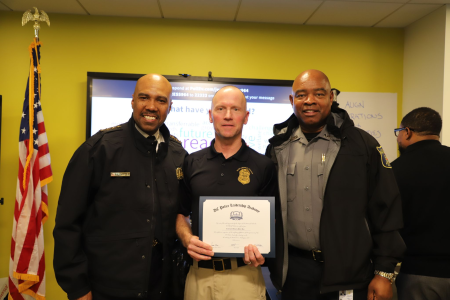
(229, 224)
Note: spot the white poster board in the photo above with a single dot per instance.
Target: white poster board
(376, 113)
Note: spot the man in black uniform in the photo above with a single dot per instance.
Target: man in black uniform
(423, 177)
(115, 223)
(227, 168)
(340, 205)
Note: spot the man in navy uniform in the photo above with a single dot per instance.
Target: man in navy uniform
(340, 205)
(115, 223)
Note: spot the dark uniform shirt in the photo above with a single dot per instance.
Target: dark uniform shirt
(208, 173)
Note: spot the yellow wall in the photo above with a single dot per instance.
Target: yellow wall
(355, 59)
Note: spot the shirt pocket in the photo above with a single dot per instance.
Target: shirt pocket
(320, 179)
(291, 182)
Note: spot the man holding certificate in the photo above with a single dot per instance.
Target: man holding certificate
(228, 168)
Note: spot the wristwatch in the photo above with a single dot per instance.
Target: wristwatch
(389, 276)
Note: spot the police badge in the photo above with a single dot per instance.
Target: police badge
(384, 159)
(244, 175)
(179, 172)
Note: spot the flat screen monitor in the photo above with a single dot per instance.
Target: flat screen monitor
(109, 104)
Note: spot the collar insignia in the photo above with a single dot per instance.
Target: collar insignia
(244, 175)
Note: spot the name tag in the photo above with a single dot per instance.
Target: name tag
(120, 174)
(346, 295)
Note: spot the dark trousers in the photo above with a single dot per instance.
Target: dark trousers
(418, 287)
(303, 281)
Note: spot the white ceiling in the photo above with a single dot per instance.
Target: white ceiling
(365, 13)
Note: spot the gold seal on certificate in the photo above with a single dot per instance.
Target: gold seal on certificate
(229, 224)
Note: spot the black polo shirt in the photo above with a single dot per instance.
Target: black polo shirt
(208, 173)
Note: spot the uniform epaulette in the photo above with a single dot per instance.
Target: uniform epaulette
(99, 135)
(114, 128)
(175, 139)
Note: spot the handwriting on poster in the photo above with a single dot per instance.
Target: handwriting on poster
(357, 117)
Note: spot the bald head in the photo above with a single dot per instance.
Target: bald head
(153, 80)
(311, 100)
(311, 75)
(229, 91)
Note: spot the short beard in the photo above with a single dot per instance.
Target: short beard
(401, 149)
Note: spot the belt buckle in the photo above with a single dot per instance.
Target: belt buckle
(314, 255)
(214, 265)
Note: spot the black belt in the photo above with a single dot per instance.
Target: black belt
(220, 264)
(316, 255)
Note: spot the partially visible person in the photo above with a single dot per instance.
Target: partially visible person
(340, 205)
(115, 223)
(423, 176)
(227, 168)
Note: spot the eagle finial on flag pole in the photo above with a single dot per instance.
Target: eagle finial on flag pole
(36, 17)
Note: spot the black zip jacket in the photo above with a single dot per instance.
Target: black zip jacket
(361, 213)
(105, 223)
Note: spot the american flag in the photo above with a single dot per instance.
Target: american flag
(27, 264)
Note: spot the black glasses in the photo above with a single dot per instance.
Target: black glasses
(397, 130)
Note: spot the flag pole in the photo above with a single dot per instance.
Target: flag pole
(36, 17)
(27, 262)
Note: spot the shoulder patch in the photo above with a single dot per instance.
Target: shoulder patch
(175, 139)
(111, 128)
(384, 160)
